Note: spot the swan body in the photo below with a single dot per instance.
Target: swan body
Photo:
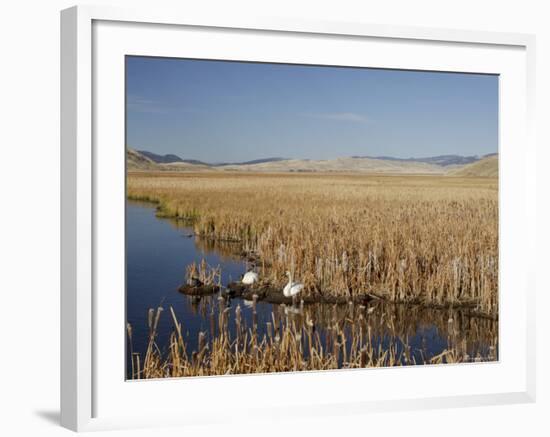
(250, 278)
(292, 288)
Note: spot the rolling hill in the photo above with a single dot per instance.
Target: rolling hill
(175, 159)
(254, 161)
(184, 166)
(486, 168)
(168, 159)
(452, 165)
(137, 161)
(362, 165)
(442, 160)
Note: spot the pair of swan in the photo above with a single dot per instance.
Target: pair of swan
(291, 289)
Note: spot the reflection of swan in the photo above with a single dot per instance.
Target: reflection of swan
(293, 310)
(250, 278)
(292, 288)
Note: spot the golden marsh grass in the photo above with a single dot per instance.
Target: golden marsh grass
(425, 239)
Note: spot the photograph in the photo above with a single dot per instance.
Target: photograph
(294, 217)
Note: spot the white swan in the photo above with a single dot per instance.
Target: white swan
(250, 278)
(292, 288)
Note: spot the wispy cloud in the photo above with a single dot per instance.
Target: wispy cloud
(352, 117)
(138, 104)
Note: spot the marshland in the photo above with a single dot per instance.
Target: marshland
(284, 217)
(396, 270)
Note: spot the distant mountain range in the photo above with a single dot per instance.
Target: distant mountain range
(254, 161)
(169, 159)
(442, 160)
(487, 165)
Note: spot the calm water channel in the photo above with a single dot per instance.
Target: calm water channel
(158, 251)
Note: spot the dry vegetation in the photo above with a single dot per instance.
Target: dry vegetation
(424, 239)
(203, 273)
(349, 339)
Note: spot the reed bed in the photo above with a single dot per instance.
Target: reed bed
(203, 273)
(424, 239)
(291, 341)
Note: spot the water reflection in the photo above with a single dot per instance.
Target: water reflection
(158, 250)
(426, 332)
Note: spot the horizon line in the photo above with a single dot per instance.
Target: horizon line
(283, 158)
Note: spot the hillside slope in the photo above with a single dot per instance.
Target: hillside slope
(183, 166)
(136, 161)
(160, 159)
(442, 160)
(169, 159)
(367, 165)
(485, 168)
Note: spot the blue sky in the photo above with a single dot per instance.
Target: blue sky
(234, 111)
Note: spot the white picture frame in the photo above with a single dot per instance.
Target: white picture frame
(90, 393)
